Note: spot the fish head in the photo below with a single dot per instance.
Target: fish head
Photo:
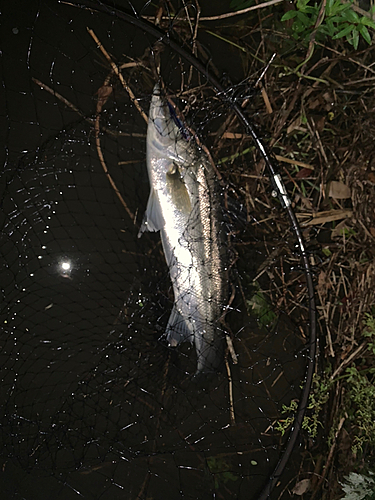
(161, 122)
(166, 132)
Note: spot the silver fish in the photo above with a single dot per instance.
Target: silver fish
(184, 206)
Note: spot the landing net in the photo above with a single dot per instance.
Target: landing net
(93, 404)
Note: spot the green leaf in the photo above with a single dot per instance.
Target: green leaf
(350, 16)
(328, 28)
(336, 19)
(367, 22)
(354, 39)
(311, 10)
(305, 20)
(259, 307)
(364, 32)
(344, 32)
(289, 15)
(338, 6)
(298, 27)
(301, 4)
(329, 6)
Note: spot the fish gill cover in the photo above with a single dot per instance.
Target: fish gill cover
(93, 403)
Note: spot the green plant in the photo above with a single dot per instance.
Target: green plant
(220, 469)
(259, 307)
(359, 487)
(359, 401)
(360, 405)
(317, 399)
(369, 331)
(338, 20)
(348, 232)
(283, 425)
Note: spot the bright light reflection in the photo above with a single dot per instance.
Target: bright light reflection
(66, 266)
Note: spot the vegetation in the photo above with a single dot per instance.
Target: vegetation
(359, 487)
(318, 109)
(220, 469)
(328, 19)
(260, 308)
(333, 19)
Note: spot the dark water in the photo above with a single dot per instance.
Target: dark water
(92, 404)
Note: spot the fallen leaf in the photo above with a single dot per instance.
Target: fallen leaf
(294, 125)
(323, 281)
(103, 93)
(315, 103)
(304, 172)
(301, 487)
(339, 190)
(324, 284)
(319, 123)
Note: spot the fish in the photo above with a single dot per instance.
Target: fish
(184, 205)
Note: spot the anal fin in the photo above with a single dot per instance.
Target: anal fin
(177, 330)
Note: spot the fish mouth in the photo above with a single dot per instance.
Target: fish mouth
(165, 119)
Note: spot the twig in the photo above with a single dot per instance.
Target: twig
(74, 108)
(228, 14)
(311, 47)
(359, 10)
(348, 360)
(119, 74)
(329, 458)
(294, 162)
(345, 57)
(326, 319)
(189, 19)
(195, 35)
(266, 100)
(231, 408)
(265, 69)
(103, 93)
(231, 350)
(67, 103)
(242, 11)
(315, 134)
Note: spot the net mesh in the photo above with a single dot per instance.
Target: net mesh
(93, 405)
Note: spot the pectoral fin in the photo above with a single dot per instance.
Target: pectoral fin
(179, 193)
(177, 330)
(153, 219)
